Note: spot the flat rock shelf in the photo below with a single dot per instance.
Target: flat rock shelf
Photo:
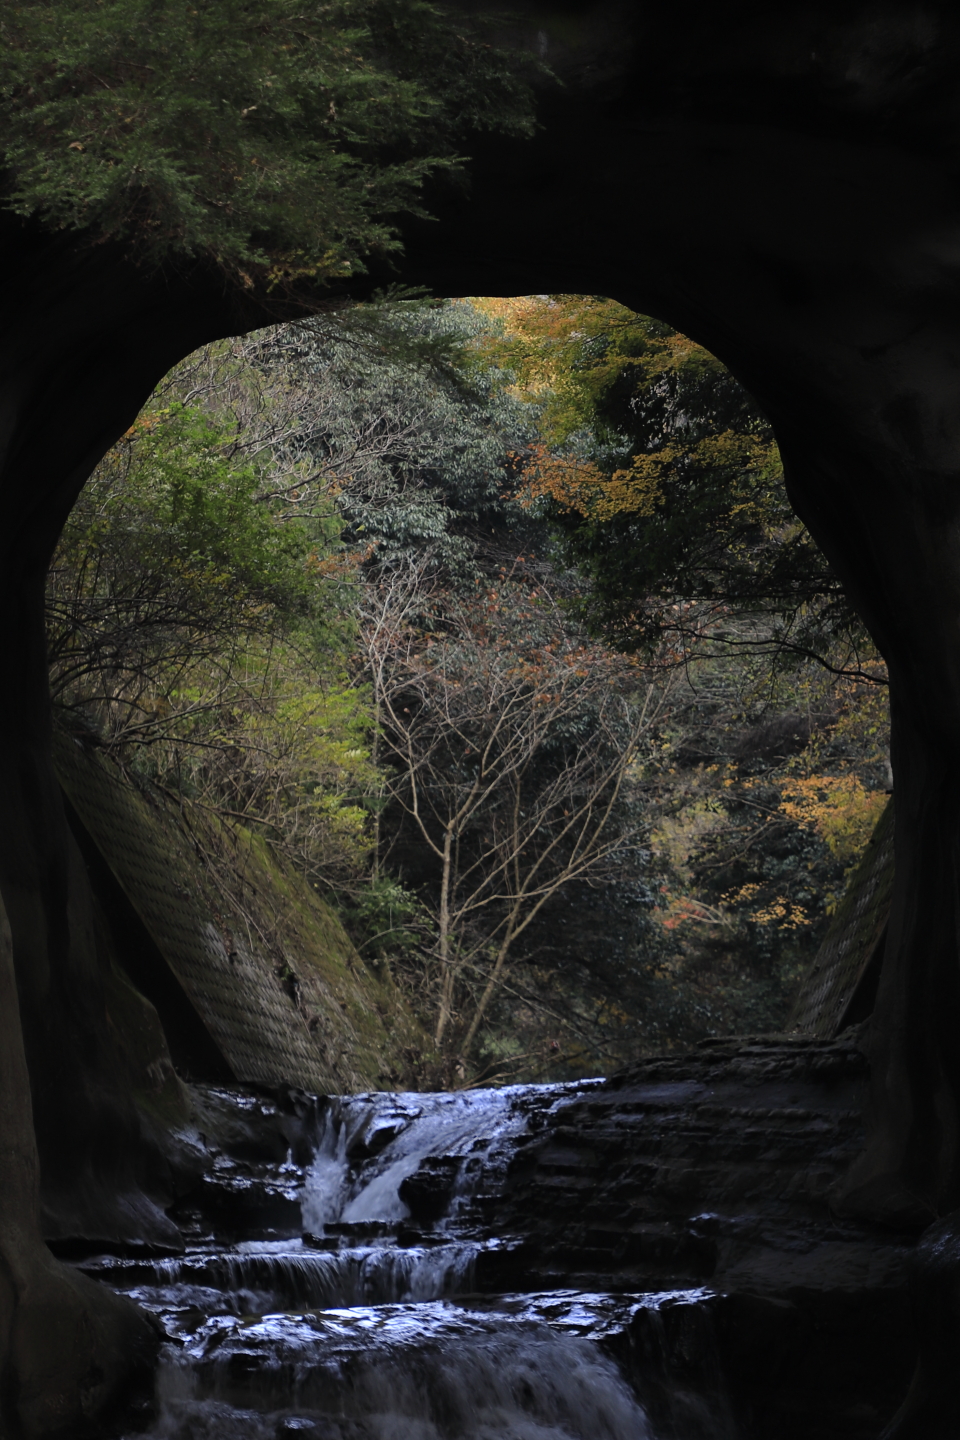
(651, 1257)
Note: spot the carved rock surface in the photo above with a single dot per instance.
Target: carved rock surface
(716, 1170)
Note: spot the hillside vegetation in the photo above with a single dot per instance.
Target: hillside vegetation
(493, 619)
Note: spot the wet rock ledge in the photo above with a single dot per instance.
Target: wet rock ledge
(679, 1215)
(716, 1170)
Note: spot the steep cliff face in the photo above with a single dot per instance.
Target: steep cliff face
(251, 972)
(71, 1352)
(840, 987)
(170, 890)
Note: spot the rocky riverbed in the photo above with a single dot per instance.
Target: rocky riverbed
(650, 1256)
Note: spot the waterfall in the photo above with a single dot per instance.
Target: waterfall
(396, 1133)
(327, 1178)
(255, 1279)
(361, 1377)
(383, 1315)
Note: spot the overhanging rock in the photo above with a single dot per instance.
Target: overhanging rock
(246, 944)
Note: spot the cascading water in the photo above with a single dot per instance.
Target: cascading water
(400, 1373)
(364, 1320)
(399, 1132)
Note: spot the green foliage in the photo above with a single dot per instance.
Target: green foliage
(664, 485)
(414, 430)
(262, 135)
(387, 919)
(298, 757)
(170, 557)
(313, 585)
(198, 627)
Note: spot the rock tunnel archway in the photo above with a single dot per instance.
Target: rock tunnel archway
(781, 184)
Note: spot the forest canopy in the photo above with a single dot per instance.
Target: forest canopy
(663, 481)
(274, 142)
(343, 581)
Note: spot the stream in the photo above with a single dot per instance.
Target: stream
(351, 1288)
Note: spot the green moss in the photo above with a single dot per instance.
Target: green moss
(265, 962)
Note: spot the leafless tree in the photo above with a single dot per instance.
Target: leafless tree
(511, 743)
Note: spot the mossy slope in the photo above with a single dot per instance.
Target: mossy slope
(249, 946)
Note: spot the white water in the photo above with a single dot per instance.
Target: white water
(258, 1277)
(422, 1125)
(467, 1379)
(326, 1180)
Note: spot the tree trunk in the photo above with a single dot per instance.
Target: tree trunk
(447, 975)
(489, 991)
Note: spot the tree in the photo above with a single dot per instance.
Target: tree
(200, 621)
(412, 426)
(762, 798)
(284, 140)
(199, 614)
(663, 482)
(168, 560)
(509, 743)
